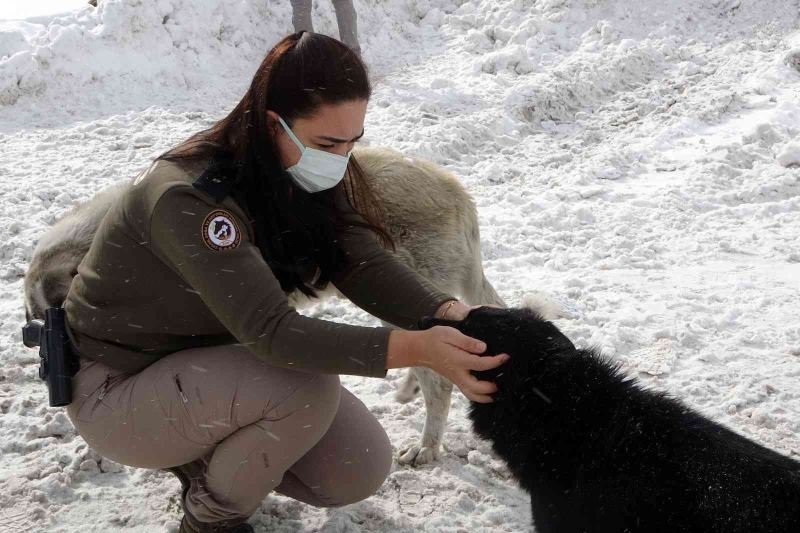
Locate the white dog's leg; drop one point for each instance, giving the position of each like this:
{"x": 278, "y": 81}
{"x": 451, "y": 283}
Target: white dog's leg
{"x": 408, "y": 389}
{"x": 437, "y": 391}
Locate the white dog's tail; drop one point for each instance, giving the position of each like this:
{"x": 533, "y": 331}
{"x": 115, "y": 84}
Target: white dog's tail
{"x": 543, "y": 305}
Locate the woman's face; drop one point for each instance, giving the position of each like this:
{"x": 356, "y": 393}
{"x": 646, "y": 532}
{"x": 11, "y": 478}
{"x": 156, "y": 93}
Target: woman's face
{"x": 333, "y": 128}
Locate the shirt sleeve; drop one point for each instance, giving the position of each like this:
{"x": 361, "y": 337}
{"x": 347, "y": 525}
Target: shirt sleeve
{"x": 238, "y": 286}
{"x": 377, "y": 281}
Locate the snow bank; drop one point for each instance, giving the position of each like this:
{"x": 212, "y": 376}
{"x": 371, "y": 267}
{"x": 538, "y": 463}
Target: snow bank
{"x": 165, "y": 51}
{"x": 41, "y": 11}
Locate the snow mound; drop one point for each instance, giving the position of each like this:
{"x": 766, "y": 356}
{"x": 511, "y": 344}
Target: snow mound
{"x": 124, "y": 42}
{"x": 585, "y": 82}
{"x": 124, "y": 47}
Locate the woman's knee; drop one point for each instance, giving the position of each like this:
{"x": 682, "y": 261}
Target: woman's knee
{"x": 372, "y": 480}
{"x": 371, "y": 454}
{"x": 336, "y": 491}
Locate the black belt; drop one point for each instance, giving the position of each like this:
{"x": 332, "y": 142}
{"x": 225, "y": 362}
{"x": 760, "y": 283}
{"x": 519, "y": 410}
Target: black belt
{"x": 58, "y": 363}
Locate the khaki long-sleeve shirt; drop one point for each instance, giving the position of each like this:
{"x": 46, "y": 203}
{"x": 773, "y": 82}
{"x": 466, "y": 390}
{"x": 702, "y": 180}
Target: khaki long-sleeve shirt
{"x": 170, "y": 268}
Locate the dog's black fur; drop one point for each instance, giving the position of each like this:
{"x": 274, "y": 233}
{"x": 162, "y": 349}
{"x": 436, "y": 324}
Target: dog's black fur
{"x": 599, "y": 453}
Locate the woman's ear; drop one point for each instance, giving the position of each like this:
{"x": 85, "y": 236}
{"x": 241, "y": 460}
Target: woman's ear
{"x": 273, "y": 125}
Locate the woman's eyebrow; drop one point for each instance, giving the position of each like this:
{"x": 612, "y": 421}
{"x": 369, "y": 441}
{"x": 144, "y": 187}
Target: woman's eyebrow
{"x": 337, "y": 140}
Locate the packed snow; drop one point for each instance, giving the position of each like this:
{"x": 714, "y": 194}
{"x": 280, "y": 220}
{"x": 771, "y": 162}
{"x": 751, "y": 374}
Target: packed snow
{"x": 639, "y": 162}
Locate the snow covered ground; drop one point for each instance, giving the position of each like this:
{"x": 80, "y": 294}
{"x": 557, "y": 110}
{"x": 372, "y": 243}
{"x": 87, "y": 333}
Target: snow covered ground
{"x": 638, "y": 161}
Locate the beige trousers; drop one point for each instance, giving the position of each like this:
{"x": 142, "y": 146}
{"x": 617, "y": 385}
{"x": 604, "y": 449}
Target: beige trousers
{"x": 251, "y": 427}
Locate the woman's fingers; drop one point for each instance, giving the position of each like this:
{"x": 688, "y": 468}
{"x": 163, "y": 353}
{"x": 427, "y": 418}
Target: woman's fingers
{"x": 456, "y": 362}
{"x": 459, "y": 340}
{"x": 474, "y": 389}
{"x": 480, "y": 398}
{"x": 481, "y": 387}
{"x": 488, "y": 362}
{"x": 478, "y": 391}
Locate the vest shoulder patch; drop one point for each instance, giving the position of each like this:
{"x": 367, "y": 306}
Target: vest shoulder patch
{"x": 220, "y": 231}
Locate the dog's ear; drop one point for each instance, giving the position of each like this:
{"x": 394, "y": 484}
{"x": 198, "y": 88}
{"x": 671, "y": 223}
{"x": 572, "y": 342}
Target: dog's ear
{"x": 428, "y": 322}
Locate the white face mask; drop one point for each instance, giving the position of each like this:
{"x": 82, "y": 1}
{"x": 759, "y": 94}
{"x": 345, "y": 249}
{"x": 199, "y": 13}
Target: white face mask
{"x": 316, "y": 170}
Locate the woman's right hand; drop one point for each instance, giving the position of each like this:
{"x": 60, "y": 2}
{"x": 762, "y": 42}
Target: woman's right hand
{"x": 450, "y": 353}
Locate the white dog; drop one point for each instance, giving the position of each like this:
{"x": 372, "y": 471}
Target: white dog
{"x": 430, "y": 216}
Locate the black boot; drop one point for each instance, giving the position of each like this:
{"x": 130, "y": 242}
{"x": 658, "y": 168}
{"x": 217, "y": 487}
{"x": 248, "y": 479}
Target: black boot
{"x": 189, "y": 524}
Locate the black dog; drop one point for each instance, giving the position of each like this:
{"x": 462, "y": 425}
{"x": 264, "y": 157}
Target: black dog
{"x": 598, "y": 453}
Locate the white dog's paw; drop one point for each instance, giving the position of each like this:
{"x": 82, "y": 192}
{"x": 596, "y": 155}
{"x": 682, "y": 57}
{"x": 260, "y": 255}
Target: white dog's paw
{"x": 545, "y": 306}
{"x": 418, "y": 455}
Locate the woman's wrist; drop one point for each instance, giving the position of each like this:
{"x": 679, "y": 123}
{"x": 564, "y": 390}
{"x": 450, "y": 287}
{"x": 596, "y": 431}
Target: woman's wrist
{"x": 403, "y": 349}
{"x": 452, "y": 310}
{"x": 443, "y": 309}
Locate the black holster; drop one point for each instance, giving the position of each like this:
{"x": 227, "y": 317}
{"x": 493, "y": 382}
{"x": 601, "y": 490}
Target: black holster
{"x": 58, "y": 363}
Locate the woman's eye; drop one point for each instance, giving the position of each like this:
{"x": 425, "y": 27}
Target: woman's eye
{"x": 326, "y": 146}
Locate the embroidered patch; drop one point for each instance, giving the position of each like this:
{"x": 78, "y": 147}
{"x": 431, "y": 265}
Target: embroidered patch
{"x": 220, "y": 232}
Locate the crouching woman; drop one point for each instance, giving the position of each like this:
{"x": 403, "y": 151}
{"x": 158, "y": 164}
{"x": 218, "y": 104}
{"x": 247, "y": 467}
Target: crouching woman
{"x": 191, "y": 358}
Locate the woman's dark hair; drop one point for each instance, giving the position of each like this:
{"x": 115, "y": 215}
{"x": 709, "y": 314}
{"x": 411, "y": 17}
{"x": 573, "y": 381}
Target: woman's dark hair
{"x": 294, "y": 230}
